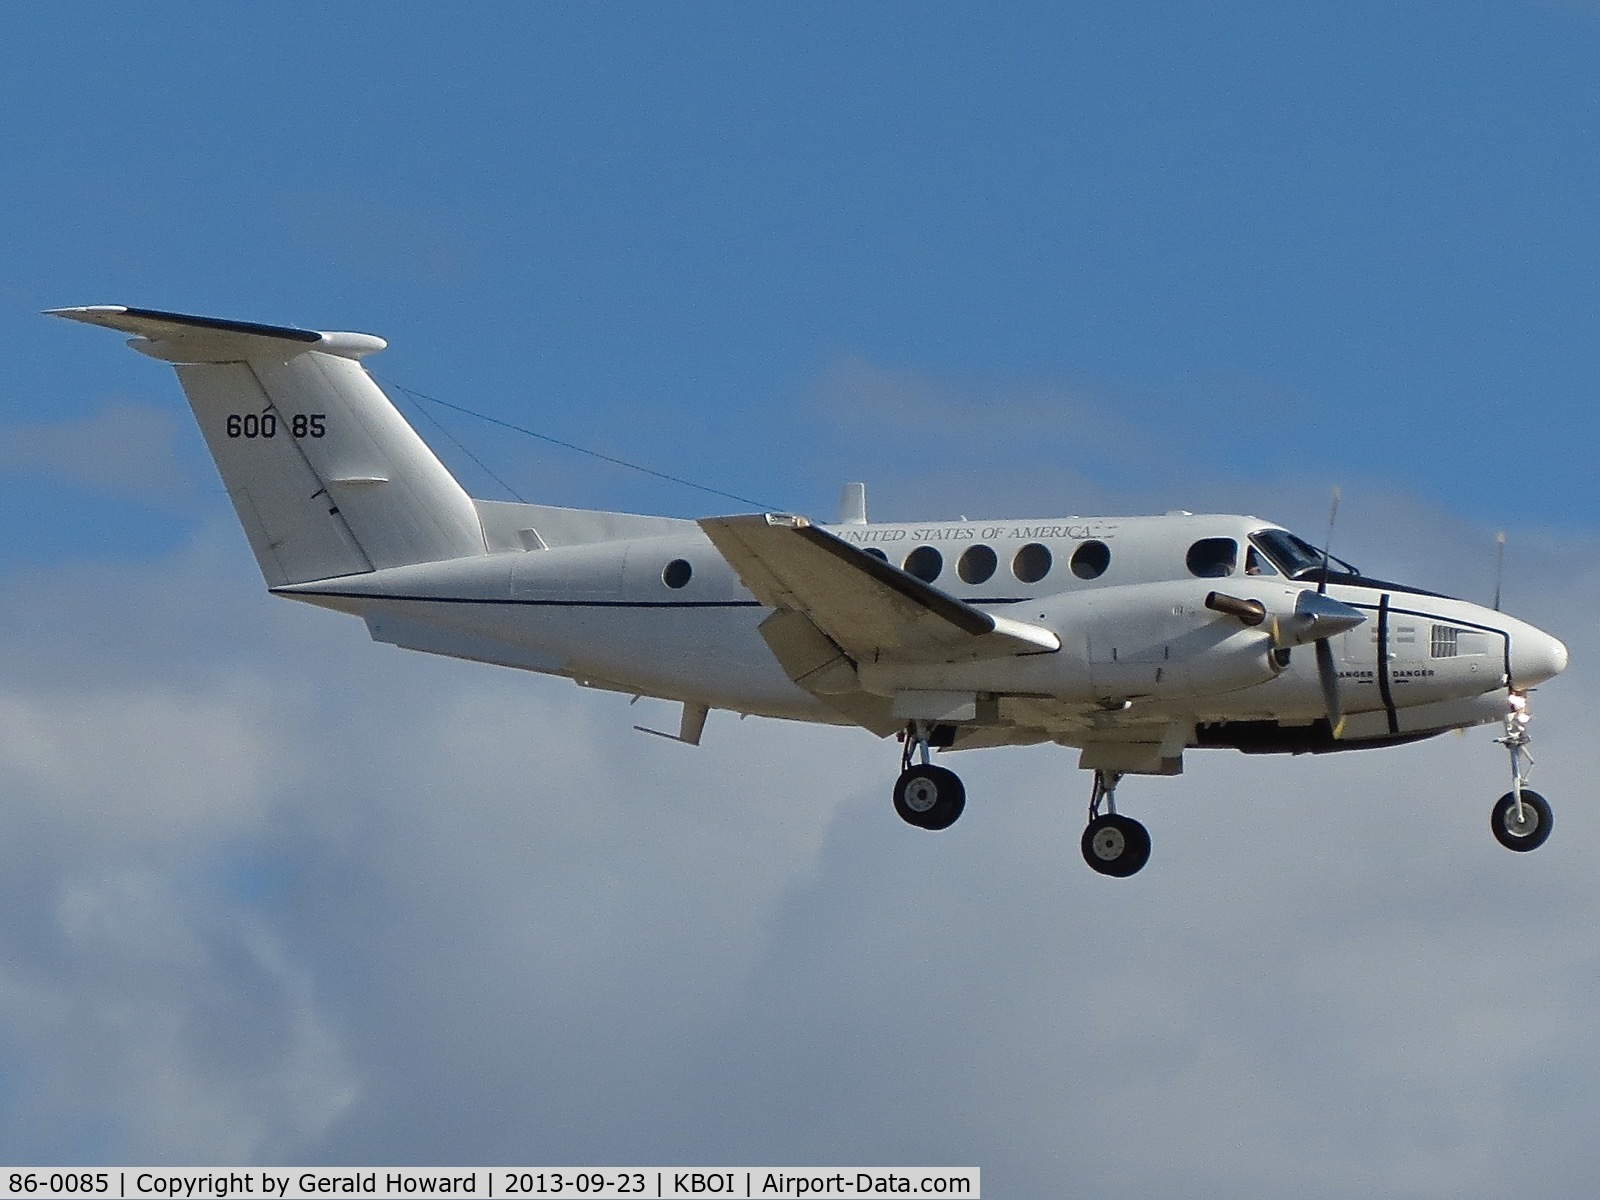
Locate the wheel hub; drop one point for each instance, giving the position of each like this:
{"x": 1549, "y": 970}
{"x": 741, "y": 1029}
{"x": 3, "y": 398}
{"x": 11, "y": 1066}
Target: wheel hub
{"x": 1109, "y": 844}
{"x": 1526, "y": 827}
{"x": 921, "y": 795}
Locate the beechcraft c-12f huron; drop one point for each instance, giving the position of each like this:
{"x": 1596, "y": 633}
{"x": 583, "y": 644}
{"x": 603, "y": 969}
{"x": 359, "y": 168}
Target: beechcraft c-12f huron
{"x": 1132, "y": 639}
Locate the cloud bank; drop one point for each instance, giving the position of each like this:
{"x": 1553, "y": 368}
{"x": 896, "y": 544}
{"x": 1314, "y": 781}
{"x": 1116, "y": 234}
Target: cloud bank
{"x": 278, "y": 894}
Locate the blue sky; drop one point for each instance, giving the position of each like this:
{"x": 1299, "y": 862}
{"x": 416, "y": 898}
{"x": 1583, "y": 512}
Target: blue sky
{"x": 313, "y": 900}
{"x": 1319, "y": 242}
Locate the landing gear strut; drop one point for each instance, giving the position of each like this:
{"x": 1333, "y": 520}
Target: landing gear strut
{"x": 1521, "y": 819}
{"x": 926, "y": 796}
{"x": 1113, "y": 844}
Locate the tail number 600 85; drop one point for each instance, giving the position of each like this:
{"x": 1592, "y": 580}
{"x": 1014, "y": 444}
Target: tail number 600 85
{"x": 265, "y": 425}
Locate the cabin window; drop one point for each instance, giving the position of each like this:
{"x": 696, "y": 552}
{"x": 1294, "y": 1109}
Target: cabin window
{"x": 676, "y": 573}
{"x": 977, "y": 564}
{"x": 1031, "y": 563}
{"x": 876, "y": 553}
{"x": 1090, "y": 560}
{"x": 925, "y": 563}
{"x": 1213, "y": 558}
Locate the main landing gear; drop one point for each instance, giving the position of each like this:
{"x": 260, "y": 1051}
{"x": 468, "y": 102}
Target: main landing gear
{"x": 1113, "y": 844}
{"x": 931, "y": 797}
{"x": 1521, "y": 819}
{"x": 926, "y": 796}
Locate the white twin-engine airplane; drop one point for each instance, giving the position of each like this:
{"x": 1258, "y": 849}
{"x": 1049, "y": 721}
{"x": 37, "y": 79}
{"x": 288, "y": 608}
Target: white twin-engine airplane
{"x": 1130, "y": 638}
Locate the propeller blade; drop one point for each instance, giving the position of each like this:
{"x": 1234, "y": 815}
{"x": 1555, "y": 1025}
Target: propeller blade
{"x": 1499, "y": 566}
{"x": 1327, "y": 545}
{"x": 1328, "y": 675}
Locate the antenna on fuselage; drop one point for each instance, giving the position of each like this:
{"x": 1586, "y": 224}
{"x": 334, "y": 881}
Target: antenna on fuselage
{"x": 853, "y": 504}
{"x": 1499, "y": 565}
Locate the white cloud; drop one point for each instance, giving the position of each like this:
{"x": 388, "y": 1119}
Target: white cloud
{"x": 278, "y": 893}
{"x": 123, "y": 447}
{"x": 184, "y": 1028}
{"x": 201, "y": 762}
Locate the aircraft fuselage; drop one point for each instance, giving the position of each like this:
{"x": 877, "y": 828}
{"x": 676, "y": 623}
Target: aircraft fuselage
{"x": 607, "y": 614}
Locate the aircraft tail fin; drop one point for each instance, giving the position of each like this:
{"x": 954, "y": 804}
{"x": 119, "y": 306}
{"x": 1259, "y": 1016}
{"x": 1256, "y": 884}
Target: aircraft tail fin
{"x": 326, "y": 476}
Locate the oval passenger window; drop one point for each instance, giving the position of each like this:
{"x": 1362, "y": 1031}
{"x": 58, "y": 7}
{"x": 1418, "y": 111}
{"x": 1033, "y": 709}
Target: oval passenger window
{"x": 925, "y": 563}
{"x": 676, "y": 573}
{"x": 977, "y": 564}
{"x": 1031, "y": 563}
{"x": 1090, "y": 560}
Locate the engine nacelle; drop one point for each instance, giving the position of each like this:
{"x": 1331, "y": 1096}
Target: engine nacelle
{"x": 1117, "y": 643}
{"x": 1161, "y": 639}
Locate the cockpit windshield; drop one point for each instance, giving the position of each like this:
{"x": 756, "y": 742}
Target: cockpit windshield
{"x": 1296, "y": 557}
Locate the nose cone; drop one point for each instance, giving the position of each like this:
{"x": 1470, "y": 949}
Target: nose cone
{"x": 1535, "y": 657}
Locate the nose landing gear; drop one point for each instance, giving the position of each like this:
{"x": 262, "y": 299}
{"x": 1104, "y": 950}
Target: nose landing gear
{"x": 926, "y": 796}
{"x": 1112, "y": 843}
{"x": 1521, "y": 819}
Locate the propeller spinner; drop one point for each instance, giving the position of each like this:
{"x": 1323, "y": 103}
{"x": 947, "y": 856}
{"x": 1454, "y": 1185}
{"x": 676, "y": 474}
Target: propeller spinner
{"x": 1315, "y": 618}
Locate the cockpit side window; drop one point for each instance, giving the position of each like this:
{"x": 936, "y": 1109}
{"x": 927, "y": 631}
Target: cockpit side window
{"x": 1213, "y": 558}
{"x": 1255, "y": 563}
{"x": 1295, "y": 556}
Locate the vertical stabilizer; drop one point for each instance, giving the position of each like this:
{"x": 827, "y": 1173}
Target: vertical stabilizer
{"x": 325, "y": 474}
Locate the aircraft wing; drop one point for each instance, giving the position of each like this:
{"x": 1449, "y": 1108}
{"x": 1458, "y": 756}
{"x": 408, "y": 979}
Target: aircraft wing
{"x": 862, "y": 604}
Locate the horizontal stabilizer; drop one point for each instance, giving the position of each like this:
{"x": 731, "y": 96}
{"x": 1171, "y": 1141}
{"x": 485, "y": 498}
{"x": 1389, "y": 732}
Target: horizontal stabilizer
{"x": 178, "y": 337}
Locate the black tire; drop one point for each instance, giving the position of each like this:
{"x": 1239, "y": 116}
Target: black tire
{"x": 1537, "y": 816}
{"x": 929, "y": 797}
{"x": 1116, "y": 845}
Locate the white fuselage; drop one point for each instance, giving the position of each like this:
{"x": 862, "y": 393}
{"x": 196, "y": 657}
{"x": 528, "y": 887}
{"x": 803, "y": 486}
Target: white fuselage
{"x": 1136, "y": 634}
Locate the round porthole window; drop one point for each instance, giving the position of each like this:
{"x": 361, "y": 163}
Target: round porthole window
{"x": 925, "y": 563}
{"x": 877, "y": 554}
{"x": 977, "y": 564}
{"x": 1213, "y": 558}
{"x": 676, "y": 573}
{"x": 1090, "y": 560}
{"x": 1031, "y": 563}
